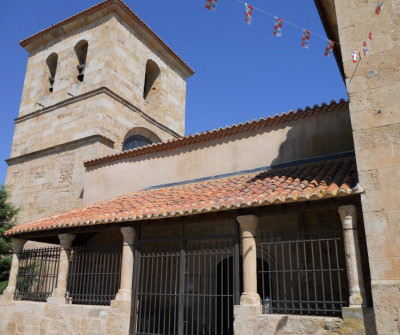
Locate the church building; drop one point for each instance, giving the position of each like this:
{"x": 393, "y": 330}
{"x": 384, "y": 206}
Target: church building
{"x": 284, "y": 225}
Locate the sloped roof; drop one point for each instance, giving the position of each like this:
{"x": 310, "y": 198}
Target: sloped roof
{"x": 222, "y": 132}
{"x": 329, "y": 178}
{"x": 97, "y": 8}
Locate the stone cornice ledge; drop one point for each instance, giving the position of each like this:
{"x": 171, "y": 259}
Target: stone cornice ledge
{"x": 97, "y": 91}
{"x": 61, "y": 147}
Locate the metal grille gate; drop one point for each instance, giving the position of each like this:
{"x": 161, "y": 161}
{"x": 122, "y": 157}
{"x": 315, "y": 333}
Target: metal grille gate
{"x": 186, "y": 285}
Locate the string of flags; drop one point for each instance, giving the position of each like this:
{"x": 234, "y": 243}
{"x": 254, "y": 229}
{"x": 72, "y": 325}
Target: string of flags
{"x": 306, "y": 34}
{"x": 378, "y": 10}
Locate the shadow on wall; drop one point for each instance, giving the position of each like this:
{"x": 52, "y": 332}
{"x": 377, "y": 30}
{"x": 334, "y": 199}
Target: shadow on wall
{"x": 281, "y": 324}
{"x": 319, "y": 135}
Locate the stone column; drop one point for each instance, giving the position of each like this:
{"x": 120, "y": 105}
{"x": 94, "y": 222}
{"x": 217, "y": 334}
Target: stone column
{"x": 18, "y": 245}
{"x": 59, "y": 294}
{"x": 348, "y": 215}
{"x": 125, "y": 290}
{"x": 248, "y": 224}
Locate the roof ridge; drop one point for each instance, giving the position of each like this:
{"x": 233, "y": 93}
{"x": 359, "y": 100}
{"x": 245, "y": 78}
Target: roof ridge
{"x": 220, "y": 132}
{"x": 102, "y": 5}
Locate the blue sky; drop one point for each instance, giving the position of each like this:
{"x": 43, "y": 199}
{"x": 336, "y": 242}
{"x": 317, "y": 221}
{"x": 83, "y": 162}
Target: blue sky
{"x": 242, "y": 72}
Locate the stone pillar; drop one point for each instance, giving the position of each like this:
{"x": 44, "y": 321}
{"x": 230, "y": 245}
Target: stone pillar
{"x": 59, "y": 294}
{"x": 125, "y": 290}
{"x": 250, "y": 302}
{"x": 348, "y": 215}
{"x": 18, "y": 245}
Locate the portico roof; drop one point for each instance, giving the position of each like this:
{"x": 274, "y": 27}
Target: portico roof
{"x": 295, "y": 182}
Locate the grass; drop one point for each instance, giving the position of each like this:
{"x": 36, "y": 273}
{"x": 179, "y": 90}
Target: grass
{"x": 3, "y": 285}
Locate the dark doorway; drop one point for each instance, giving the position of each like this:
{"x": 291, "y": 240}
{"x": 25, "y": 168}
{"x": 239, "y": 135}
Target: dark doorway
{"x": 225, "y": 279}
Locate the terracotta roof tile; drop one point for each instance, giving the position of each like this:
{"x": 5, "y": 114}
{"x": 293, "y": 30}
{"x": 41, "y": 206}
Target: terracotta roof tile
{"x": 221, "y": 132}
{"x": 337, "y": 177}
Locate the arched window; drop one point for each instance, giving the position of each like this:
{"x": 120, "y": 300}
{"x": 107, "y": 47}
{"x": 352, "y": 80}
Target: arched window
{"x": 135, "y": 141}
{"x": 152, "y": 73}
{"x": 52, "y": 64}
{"x": 81, "y": 49}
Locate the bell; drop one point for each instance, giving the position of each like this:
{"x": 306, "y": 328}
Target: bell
{"x": 81, "y": 69}
{"x": 51, "y": 80}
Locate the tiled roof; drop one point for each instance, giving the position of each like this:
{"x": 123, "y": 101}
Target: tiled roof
{"x": 101, "y": 6}
{"x": 222, "y": 132}
{"x": 330, "y": 178}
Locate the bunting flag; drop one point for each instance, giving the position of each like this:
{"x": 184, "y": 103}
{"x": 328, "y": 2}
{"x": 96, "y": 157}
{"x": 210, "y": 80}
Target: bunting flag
{"x": 278, "y": 27}
{"x": 370, "y": 35}
{"x": 379, "y": 7}
{"x": 305, "y": 38}
{"x": 365, "y": 49}
{"x": 211, "y": 5}
{"x": 354, "y": 55}
{"x": 329, "y": 48}
{"x": 249, "y": 13}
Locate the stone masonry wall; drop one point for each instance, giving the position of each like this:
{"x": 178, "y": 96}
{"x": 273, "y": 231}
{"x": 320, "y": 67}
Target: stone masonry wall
{"x": 50, "y": 183}
{"x": 275, "y": 324}
{"x": 38, "y": 318}
{"x": 373, "y": 89}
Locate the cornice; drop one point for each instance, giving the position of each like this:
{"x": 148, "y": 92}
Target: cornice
{"x": 97, "y": 91}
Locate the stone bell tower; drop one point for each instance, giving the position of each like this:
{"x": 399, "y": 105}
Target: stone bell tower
{"x": 96, "y": 83}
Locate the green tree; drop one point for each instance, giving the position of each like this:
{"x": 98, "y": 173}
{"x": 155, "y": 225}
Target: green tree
{"x": 8, "y": 214}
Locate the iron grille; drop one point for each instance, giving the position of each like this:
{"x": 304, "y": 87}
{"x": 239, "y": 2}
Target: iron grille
{"x": 186, "y": 287}
{"x": 94, "y": 274}
{"x": 303, "y": 272}
{"x": 37, "y": 273}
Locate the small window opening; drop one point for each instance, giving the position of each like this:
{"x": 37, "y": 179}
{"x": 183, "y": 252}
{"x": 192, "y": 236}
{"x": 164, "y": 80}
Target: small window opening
{"x": 81, "y": 49}
{"x": 52, "y": 64}
{"x": 152, "y": 73}
{"x": 135, "y": 141}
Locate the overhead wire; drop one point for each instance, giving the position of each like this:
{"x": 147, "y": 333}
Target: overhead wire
{"x": 289, "y": 22}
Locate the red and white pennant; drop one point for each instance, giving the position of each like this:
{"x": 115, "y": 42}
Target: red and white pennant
{"x": 249, "y": 13}
{"x": 305, "y": 39}
{"x": 329, "y": 48}
{"x": 211, "y": 5}
{"x": 278, "y": 27}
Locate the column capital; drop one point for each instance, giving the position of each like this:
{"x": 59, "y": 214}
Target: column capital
{"x": 66, "y": 240}
{"x": 247, "y": 221}
{"x": 18, "y": 245}
{"x": 129, "y": 234}
{"x": 348, "y": 215}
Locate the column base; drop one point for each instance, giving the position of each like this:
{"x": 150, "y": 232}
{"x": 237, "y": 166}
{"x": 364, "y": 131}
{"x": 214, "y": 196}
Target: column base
{"x": 246, "y": 310}
{"x": 357, "y": 299}
{"x": 122, "y": 299}
{"x": 358, "y": 320}
{"x": 124, "y": 295}
{"x": 250, "y": 299}
{"x": 58, "y": 298}
{"x": 8, "y": 293}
